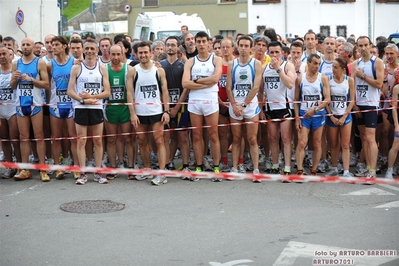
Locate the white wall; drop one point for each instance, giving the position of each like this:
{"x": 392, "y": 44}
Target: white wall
{"x": 41, "y": 18}
{"x": 303, "y": 15}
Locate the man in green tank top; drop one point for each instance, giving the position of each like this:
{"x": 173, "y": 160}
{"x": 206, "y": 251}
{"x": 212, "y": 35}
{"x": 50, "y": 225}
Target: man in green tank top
{"x": 116, "y": 112}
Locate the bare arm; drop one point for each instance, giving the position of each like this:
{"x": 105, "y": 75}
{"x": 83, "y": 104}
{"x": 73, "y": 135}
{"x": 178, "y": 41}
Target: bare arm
{"x": 72, "y": 82}
{"x": 165, "y": 95}
{"x": 394, "y": 108}
{"x": 106, "y": 86}
{"x": 215, "y": 77}
{"x": 352, "y": 92}
{"x": 186, "y": 80}
{"x": 379, "y": 69}
{"x": 44, "y": 80}
{"x": 288, "y": 76}
{"x": 229, "y": 83}
{"x": 297, "y": 103}
{"x": 130, "y": 96}
{"x": 15, "y": 75}
{"x": 326, "y": 92}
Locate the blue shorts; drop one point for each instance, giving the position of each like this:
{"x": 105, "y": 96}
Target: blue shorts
{"x": 181, "y": 120}
{"x": 331, "y": 124}
{"x": 62, "y": 112}
{"x": 314, "y": 122}
{"x": 396, "y": 136}
{"x": 28, "y": 110}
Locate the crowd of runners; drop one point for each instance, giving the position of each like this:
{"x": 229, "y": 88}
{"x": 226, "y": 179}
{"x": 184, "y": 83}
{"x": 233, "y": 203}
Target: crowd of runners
{"x": 320, "y": 104}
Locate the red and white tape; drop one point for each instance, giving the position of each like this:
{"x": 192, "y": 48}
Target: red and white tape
{"x": 203, "y": 175}
{"x": 189, "y": 128}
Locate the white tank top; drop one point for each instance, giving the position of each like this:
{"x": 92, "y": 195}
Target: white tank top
{"x": 89, "y": 80}
{"x": 339, "y": 95}
{"x": 367, "y": 95}
{"x": 326, "y": 68}
{"x": 243, "y": 80}
{"x": 147, "y": 92}
{"x": 311, "y": 92}
{"x": 203, "y": 69}
{"x": 387, "y": 102}
{"x": 276, "y": 91}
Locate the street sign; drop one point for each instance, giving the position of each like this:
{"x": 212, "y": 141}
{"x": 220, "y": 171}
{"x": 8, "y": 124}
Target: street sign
{"x": 19, "y": 17}
{"x": 93, "y": 9}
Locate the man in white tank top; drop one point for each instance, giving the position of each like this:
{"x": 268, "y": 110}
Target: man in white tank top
{"x": 243, "y": 80}
{"x": 312, "y": 91}
{"x": 147, "y": 87}
{"x": 278, "y": 78}
{"x": 88, "y": 86}
{"x": 201, "y": 76}
{"x": 368, "y": 72}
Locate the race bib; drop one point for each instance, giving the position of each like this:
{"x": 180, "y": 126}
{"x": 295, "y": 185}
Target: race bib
{"x": 117, "y": 93}
{"x": 6, "y": 94}
{"x": 174, "y": 95}
{"x": 361, "y": 91}
{"x": 148, "y": 92}
{"x": 242, "y": 90}
{"x": 223, "y": 81}
{"x": 311, "y": 100}
{"x": 62, "y": 96}
{"x": 92, "y": 88}
{"x": 272, "y": 83}
{"x": 26, "y": 89}
{"x": 338, "y": 102}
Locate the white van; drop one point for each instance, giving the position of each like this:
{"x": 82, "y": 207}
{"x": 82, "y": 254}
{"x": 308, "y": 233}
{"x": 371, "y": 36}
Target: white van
{"x": 158, "y": 25}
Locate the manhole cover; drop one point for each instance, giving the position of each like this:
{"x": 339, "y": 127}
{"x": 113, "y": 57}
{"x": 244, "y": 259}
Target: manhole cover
{"x": 92, "y": 206}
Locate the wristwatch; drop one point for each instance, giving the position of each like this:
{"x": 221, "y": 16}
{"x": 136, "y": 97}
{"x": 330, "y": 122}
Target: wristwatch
{"x": 195, "y": 80}
{"x": 316, "y": 109}
{"x": 167, "y": 111}
{"x": 82, "y": 101}
{"x": 243, "y": 105}
{"x": 278, "y": 71}
{"x": 363, "y": 76}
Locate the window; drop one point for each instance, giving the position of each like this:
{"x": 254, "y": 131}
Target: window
{"x": 265, "y": 1}
{"x": 325, "y": 30}
{"x": 341, "y": 31}
{"x": 337, "y": 1}
{"x": 226, "y": 33}
{"x": 150, "y": 3}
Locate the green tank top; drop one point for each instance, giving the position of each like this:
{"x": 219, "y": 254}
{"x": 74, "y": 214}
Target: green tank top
{"x": 117, "y": 82}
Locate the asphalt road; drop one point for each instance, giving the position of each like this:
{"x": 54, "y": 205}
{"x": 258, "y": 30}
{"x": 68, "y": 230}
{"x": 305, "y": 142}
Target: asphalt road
{"x": 198, "y": 223}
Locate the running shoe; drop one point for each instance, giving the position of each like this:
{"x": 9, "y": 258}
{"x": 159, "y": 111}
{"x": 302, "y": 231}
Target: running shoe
{"x": 241, "y": 169}
{"x": 50, "y": 162}
{"x": 197, "y": 170}
{"x": 100, "y": 179}
{"x": 159, "y": 180}
{"x": 9, "y": 173}
{"x": 187, "y": 170}
{"x": 44, "y": 176}
{"x": 59, "y": 174}
{"x": 22, "y": 175}
{"x": 332, "y": 172}
{"x": 224, "y": 168}
{"x": 256, "y": 171}
{"x": 82, "y": 179}
{"x": 216, "y": 170}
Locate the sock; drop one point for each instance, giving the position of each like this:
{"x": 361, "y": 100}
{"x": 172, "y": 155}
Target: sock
{"x": 275, "y": 165}
{"x": 225, "y": 161}
{"x": 368, "y": 167}
{"x": 335, "y": 169}
{"x": 287, "y": 168}
{"x": 372, "y": 171}
{"x": 390, "y": 170}
{"x": 240, "y": 160}
{"x": 201, "y": 166}
{"x": 185, "y": 165}
{"x": 346, "y": 172}
{"x": 310, "y": 154}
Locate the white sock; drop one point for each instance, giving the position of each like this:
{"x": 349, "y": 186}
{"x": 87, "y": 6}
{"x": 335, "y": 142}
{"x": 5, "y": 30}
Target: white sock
{"x": 275, "y": 165}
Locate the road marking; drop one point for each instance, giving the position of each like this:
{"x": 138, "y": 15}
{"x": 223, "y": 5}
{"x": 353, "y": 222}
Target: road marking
{"x": 230, "y": 263}
{"x": 389, "y": 186}
{"x": 369, "y": 191}
{"x": 294, "y": 249}
{"x": 16, "y": 193}
{"x": 393, "y": 204}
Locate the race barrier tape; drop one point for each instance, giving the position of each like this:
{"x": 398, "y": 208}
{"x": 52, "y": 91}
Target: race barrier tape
{"x": 67, "y": 104}
{"x": 190, "y": 128}
{"x": 204, "y": 175}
